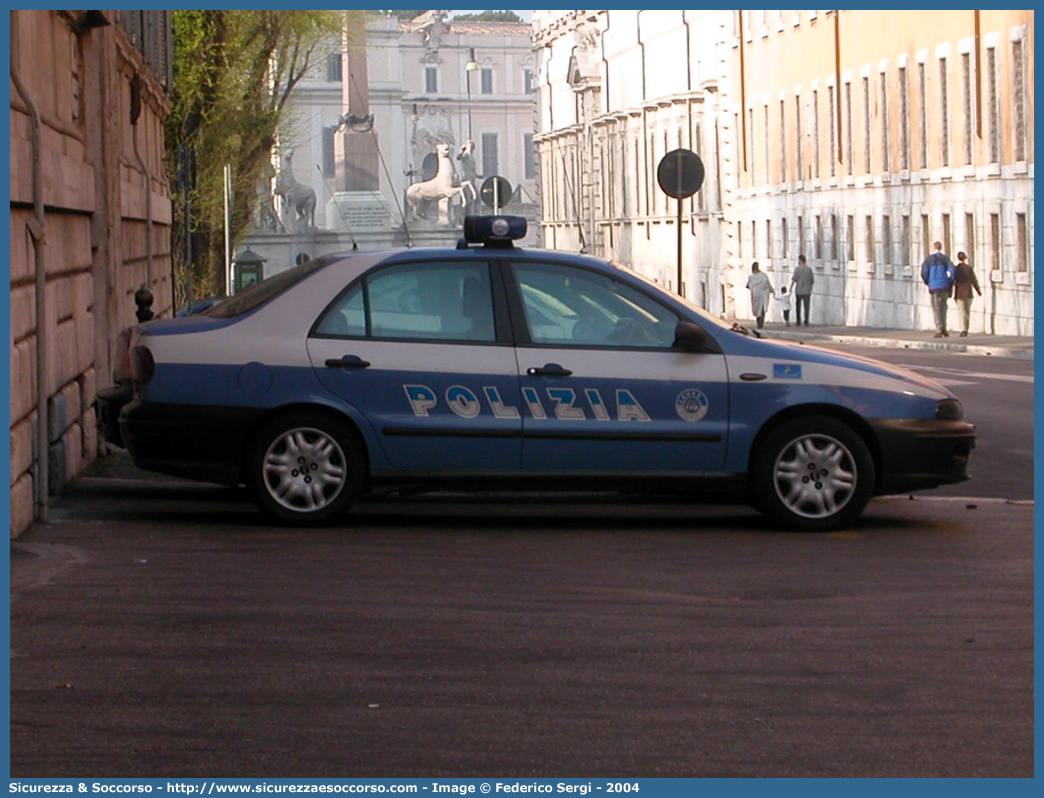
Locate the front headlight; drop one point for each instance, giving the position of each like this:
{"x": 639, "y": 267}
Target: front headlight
{"x": 949, "y": 410}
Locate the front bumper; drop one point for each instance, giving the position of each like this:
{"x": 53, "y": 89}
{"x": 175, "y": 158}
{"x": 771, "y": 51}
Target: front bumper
{"x": 922, "y": 453}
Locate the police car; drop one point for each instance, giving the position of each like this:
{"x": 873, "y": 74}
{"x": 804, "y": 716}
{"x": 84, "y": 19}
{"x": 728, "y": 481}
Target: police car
{"x": 491, "y": 366}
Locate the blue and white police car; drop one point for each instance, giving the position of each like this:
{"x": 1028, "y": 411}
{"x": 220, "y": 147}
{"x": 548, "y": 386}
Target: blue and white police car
{"x": 492, "y": 366}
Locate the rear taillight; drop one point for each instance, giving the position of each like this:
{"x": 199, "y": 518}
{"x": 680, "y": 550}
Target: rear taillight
{"x": 142, "y": 365}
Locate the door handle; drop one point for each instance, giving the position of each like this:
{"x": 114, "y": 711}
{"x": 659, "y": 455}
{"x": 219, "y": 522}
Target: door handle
{"x": 550, "y": 370}
{"x": 348, "y": 362}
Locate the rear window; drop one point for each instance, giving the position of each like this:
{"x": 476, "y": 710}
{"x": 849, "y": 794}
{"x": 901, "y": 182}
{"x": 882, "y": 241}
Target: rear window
{"x": 259, "y": 293}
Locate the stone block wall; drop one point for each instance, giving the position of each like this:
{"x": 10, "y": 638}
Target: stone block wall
{"x": 95, "y": 166}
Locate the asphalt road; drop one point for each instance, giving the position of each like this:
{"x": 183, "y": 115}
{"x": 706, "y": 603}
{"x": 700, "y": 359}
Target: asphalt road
{"x": 997, "y": 394}
{"x": 159, "y": 630}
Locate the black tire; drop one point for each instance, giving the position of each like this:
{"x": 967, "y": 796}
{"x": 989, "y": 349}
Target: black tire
{"x": 812, "y": 473}
{"x": 305, "y": 469}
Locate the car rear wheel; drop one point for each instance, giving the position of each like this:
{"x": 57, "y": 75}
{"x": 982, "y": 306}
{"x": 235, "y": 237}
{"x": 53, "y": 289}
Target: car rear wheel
{"x": 812, "y": 473}
{"x": 305, "y": 469}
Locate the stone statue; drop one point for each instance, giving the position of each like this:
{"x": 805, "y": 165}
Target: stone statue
{"x": 267, "y": 218}
{"x": 298, "y": 198}
{"x": 439, "y": 189}
{"x": 468, "y": 176}
{"x": 354, "y": 123}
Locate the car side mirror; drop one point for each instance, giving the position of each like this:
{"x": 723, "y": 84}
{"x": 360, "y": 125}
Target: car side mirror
{"x": 691, "y": 337}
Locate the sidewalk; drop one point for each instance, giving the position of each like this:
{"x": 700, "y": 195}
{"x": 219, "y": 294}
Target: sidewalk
{"x": 1013, "y": 346}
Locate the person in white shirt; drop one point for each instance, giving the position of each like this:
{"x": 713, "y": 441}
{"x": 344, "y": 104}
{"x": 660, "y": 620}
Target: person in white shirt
{"x": 784, "y": 303}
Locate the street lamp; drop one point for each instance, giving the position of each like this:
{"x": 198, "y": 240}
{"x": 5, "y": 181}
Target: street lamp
{"x": 471, "y": 66}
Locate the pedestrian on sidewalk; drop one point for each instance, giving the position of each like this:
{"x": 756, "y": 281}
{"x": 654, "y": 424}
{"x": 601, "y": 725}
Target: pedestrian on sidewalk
{"x": 801, "y": 282}
{"x": 963, "y": 282}
{"x": 784, "y": 303}
{"x": 760, "y": 291}
{"x": 938, "y": 274}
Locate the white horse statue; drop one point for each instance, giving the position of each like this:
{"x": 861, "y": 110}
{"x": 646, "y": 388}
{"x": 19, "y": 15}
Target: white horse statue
{"x": 440, "y": 188}
{"x": 297, "y": 197}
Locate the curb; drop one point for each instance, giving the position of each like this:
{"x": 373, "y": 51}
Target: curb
{"x": 896, "y": 343}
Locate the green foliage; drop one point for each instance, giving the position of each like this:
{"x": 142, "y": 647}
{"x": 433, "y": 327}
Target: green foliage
{"x": 490, "y": 16}
{"x": 233, "y": 73}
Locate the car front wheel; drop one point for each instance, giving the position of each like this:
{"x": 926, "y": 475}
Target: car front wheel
{"x": 305, "y": 469}
{"x": 812, "y": 473}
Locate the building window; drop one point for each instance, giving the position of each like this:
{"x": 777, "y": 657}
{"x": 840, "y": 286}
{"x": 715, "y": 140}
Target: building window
{"x": 946, "y": 239}
{"x": 926, "y": 236}
{"x": 815, "y": 132}
{"x": 782, "y": 141}
{"x": 967, "y": 91}
{"x": 835, "y": 238}
{"x": 786, "y": 240}
{"x": 833, "y": 131}
{"x": 329, "y": 165}
{"x": 870, "y": 239}
{"x": 944, "y": 115}
{"x": 850, "y": 239}
{"x": 922, "y": 107}
{"x": 906, "y": 256}
{"x": 768, "y": 239}
{"x": 487, "y": 80}
{"x": 801, "y": 234}
{"x": 1018, "y": 78}
{"x": 992, "y": 104}
{"x": 799, "y": 142}
{"x": 886, "y": 239}
{"x": 753, "y": 172}
{"x": 431, "y": 80}
{"x": 849, "y": 139}
{"x": 1022, "y": 235}
{"x": 528, "y": 81}
{"x": 819, "y": 237}
{"x": 969, "y": 235}
{"x": 334, "y": 68}
{"x": 490, "y": 165}
{"x": 529, "y": 153}
{"x": 904, "y": 120}
{"x": 768, "y": 177}
{"x": 866, "y": 125}
{"x": 754, "y": 240}
{"x": 995, "y": 242}
{"x": 886, "y": 144}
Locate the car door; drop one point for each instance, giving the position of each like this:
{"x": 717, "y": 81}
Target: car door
{"x": 415, "y": 348}
{"x": 603, "y": 388}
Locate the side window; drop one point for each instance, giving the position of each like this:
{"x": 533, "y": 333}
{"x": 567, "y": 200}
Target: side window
{"x": 568, "y": 306}
{"x": 426, "y": 301}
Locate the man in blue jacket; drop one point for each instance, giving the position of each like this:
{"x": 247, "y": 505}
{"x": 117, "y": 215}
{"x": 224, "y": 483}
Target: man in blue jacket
{"x": 938, "y": 274}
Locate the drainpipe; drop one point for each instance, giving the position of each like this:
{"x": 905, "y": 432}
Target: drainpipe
{"x": 36, "y": 227}
{"x": 135, "y": 111}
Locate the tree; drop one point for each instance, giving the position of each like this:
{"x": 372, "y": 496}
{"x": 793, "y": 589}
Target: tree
{"x": 233, "y": 73}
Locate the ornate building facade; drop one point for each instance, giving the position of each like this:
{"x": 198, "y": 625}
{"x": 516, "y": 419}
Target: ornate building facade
{"x": 856, "y": 138}
{"x": 408, "y": 86}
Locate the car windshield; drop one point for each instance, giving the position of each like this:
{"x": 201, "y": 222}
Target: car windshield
{"x": 703, "y": 313}
{"x": 259, "y": 293}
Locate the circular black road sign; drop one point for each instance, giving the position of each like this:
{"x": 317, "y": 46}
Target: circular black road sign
{"x": 495, "y": 191}
{"x": 680, "y": 173}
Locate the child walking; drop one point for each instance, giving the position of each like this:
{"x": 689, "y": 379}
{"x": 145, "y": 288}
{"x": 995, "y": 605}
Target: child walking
{"x": 784, "y": 303}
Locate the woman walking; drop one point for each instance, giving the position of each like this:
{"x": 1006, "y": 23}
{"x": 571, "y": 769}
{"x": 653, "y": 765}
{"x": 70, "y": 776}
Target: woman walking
{"x": 963, "y": 283}
{"x": 760, "y": 293}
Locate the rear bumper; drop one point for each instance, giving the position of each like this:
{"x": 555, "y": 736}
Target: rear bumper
{"x": 198, "y": 442}
{"x": 922, "y": 453}
{"x": 107, "y": 406}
